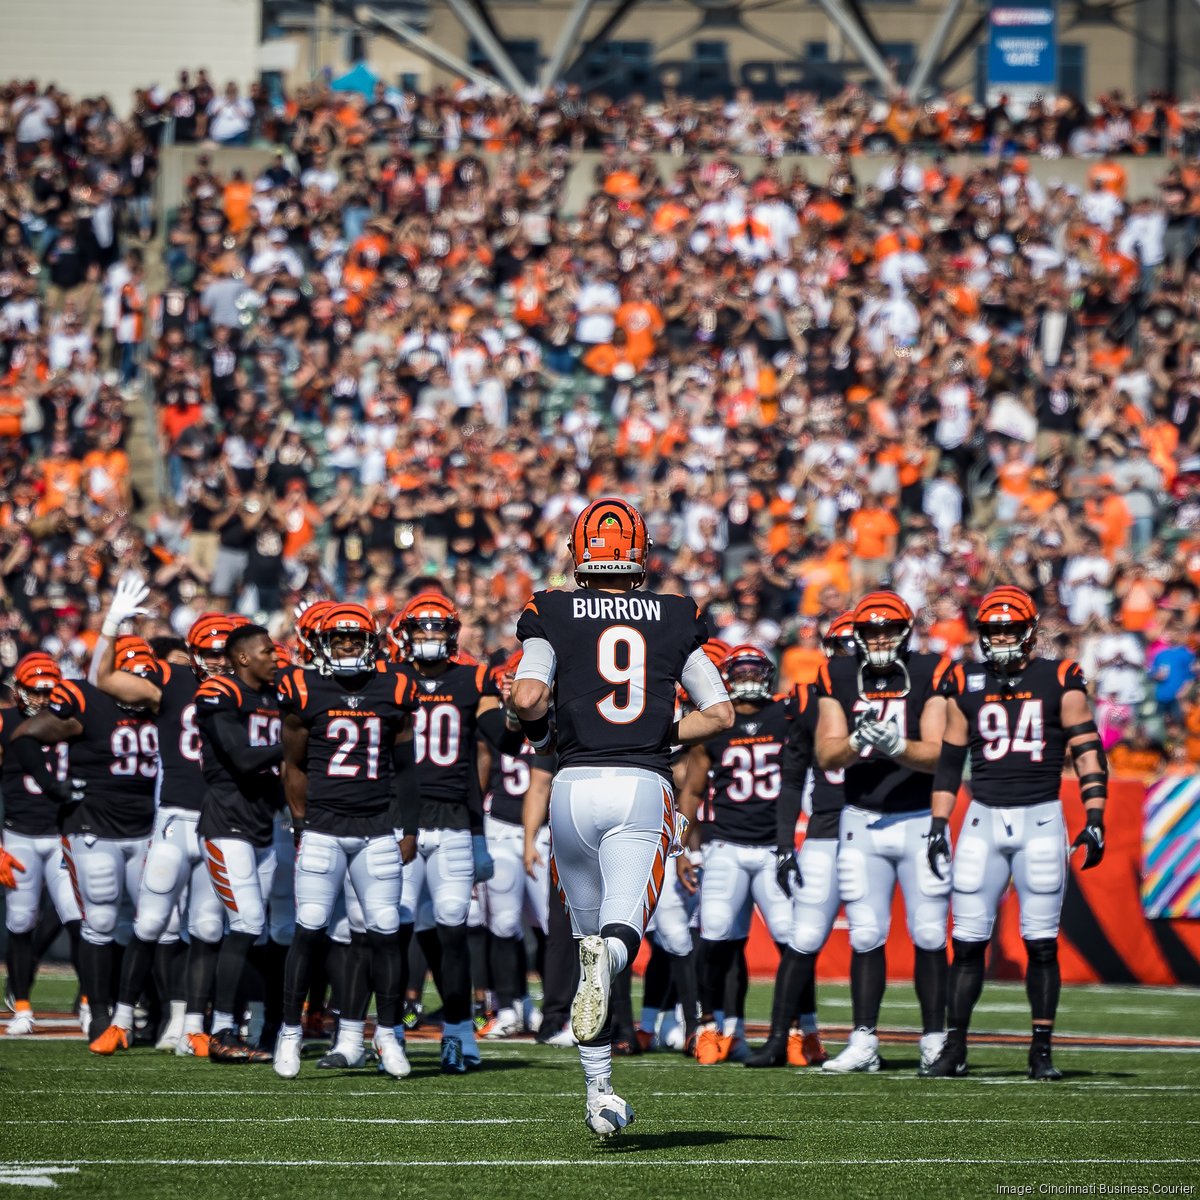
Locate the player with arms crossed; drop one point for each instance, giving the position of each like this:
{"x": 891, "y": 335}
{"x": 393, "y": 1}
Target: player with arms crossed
{"x": 609, "y": 661}
{"x": 881, "y": 720}
{"x": 1016, "y": 714}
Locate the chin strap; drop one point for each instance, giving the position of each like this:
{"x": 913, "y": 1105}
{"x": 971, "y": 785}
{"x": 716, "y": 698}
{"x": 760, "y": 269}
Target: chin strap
{"x": 895, "y": 665}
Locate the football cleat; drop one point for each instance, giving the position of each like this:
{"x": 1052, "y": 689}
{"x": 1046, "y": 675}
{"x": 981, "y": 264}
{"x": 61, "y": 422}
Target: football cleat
{"x": 531, "y": 1015}
{"x": 172, "y": 1031}
{"x": 228, "y": 1047}
{"x": 21, "y": 1025}
{"x": 506, "y": 1024}
{"x": 314, "y": 1025}
{"x": 951, "y": 1063}
{"x": 10, "y": 1001}
{"x": 589, "y": 1009}
{"x": 626, "y": 1047}
{"x": 287, "y": 1055}
{"x": 85, "y": 1016}
{"x": 193, "y": 1045}
{"x": 560, "y": 1037}
{"x": 738, "y": 1051}
{"x": 607, "y": 1114}
{"x": 689, "y": 1044}
{"x": 861, "y": 1054}
{"x": 343, "y": 1057}
{"x": 931, "y": 1045}
{"x": 712, "y": 1047}
{"x": 812, "y": 1053}
{"x": 645, "y": 1040}
{"x": 776, "y": 1051}
{"x": 1040, "y": 1064}
{"x": 393, "y": 1060}
{"x": 411, "y": 1015}
{"x": 114, "y": 1038}
{"x": 452, "y": 1056}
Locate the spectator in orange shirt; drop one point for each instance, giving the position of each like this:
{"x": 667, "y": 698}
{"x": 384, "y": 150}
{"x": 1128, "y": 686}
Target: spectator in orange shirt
{"x": 873, "y": 530}
{"x": 802, "y": 661}
{"x": 238, "y": 194}
{"x": 61, "y": 477}
{"x": 1110, "y": 175}
{"x": 642, "y": 322}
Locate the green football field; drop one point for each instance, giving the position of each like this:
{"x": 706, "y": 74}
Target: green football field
{"x": 150, "y": 1125}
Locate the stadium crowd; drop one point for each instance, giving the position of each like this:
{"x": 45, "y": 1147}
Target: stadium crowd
{"x": 394, "y": 354}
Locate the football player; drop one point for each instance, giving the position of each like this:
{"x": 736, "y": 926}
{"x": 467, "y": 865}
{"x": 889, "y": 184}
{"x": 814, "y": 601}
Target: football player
{"x": 32, "y": 852}
{"x": 239, "y": 721}
{"x": 810, "y": 877}
{"x": 511, "y": 893}
{"x": 108, "y": 799}
{"x": 880, "y": 720}
{"x": 452, "y": 854}
{"x": 1016, "y": 715}
{"x": 609, "y": 661}
{"x": 739, "y": 771}
{"x": 347, "y": 746}
{"x": 175, "y": 879}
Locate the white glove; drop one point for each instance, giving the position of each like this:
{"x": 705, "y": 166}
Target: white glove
{"x": 884, "y": 737}
{"x": 681, "y": 828}
{"x": 127, "y": 601}
{"x": 859, "y": 739}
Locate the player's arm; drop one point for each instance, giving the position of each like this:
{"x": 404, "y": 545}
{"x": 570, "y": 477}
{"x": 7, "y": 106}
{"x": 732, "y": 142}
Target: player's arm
{"x": 712, "y": 714}
{"x": 695, "y": 785}
{"x": 834, "y": 746}
{"x": 923, "y": 755}
{"x": 123, "y": 686}
{"x": 1091, "y": 766}
{"x": 534, "y": 811}
{"x": 532, "y": 690}
{"x": 794, "y": 763}
{"x": 128, "y": 597}
{"x": 232, "y": 740}
{"x": 44, "y": 729}
{"x": 408, "y": 788}
{"x": 295, "y": 769}
{"x": 946, "y": 780}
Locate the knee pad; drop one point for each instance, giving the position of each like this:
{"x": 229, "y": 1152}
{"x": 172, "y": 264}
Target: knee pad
{"x": 101, "y": 922}
{"x": 506, "y": 897}
{"x": 969, "y": 863}
{"x": 927, "y": 925}
{"x": 99, "y": 879}
{"x": 164, "y": 863}
{"x": 1045, "y": 865}
{"x": 21, "y": 909}
{"x": 1043, "y": 951}
{"x": 717, "y": 917}
{"x": 810, "y": 930}
{"x": 207, "y": 927}
{"x": 816, "y": 869}
{"x": 851, "y": 875}
{"x": 972, "y": 921}
{"x": 867, "y": 932}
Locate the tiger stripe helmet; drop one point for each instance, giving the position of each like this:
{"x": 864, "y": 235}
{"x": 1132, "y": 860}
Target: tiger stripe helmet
{"x": 35, "y": 678}
{"x": 609, "y": 541}
{"x": 887, "y": 615}
{"x": 748, "y": 674}
{"x": 838, "y": 641}
{"x": 128, "y": 646}
{"x": 426, "y": 629}
{"x": 308, "y": 625}
{"x": 283, "y": 659}
{"x": 717, "y": 651}
{"x": 206, "y": 643}
{"x": 1009, "y": 611}
{"x": 342, "y": 621}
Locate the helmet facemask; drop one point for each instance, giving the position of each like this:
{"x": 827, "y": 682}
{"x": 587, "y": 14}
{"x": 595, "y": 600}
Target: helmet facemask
{"x": 749, "y": 679}
{"x": 34, "y": 700}
{"x": 430, "y": 639}
{"x": 883, "y": 643}
{"x": 348, "y": 651}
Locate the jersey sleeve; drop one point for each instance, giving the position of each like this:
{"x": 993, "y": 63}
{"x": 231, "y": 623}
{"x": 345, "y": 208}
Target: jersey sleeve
{"x": 532, "y": 623}
{"x": 67, "y": 701}
{"x": 485, "y": 681}
{"x": 824, "y": 683}
{"x": 405, "y": 694}
{"x": 951, "y": 683}
{"x": 159, "y": 674}
{"x": 1071, "y": 677}
{"x": 217, "y": 695}
{"x": 293, "y": 693}
{"x": 698, "y": 633}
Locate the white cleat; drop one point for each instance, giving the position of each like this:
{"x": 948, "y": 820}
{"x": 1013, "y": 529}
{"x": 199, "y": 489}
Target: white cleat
{"x": 931, "y": 1046}
{"x": 287, "y": 1055}
{"x": 173, "y": 1030}
{"x": 607, "y": 1114}
{"x": 861, "y": 1054}
{"x": 507, "y": 1024}
{"x": 531, "y": 1015}
{"x": 564, "y": 1037}
{"x": 392, "y": 1059}
{"x": 21, "y": 1025}
{"x": 85, "y": 1018}
{"x": 589, "y": 1009}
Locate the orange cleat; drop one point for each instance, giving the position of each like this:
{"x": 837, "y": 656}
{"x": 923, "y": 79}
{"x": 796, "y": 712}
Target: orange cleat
{"x": 711, "y": 1047}
{"x": 814, "y": 1053}
{"x": 192, "y": 1045}
{"x": 114, "y": 1038}
{"x": 645, "y": 1040}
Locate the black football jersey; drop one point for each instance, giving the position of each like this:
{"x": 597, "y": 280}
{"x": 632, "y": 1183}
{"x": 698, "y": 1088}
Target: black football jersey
{"x": 511, "y": 773}
{"x": 181, "y": 774}
{"x": 116, "y": 756}
{"x": 874, "y": 781}
{"x": 746, "y": 777}
{"x": 800, "y": 764}
{"x": 352, "y": 727}
{"x": 619, "y": 662}
{"x": 26, "y": 809}
{"x": 444, "y": 744}
{"x": 235, "y": 804}
{"x": 1017, "y": 740}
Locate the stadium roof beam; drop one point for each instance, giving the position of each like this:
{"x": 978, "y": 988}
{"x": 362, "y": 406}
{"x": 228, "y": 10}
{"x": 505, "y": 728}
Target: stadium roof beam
{"x": 426, "y": 46}
{"x": 871, "y": 58}
{"x": 966, "y": 40}
{"x": 568, "y": 39}
{"x": 487, "y": 41}
{"x": 614, "y": 18}
{"x": 932, "y": 50}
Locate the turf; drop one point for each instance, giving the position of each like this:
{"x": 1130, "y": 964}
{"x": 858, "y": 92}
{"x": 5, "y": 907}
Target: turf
{"x": 149, "y": 1125}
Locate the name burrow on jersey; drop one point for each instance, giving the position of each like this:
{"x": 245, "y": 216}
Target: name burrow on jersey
{"x": 616, "y": 608}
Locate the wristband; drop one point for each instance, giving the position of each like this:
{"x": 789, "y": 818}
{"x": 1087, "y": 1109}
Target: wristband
{"x": 937, "y": 825}
{"x": 1095, "y": 817}
{"x": 949, "y": 772}
{"x": 112, "y": 626}
{"x": 537, "y": 730}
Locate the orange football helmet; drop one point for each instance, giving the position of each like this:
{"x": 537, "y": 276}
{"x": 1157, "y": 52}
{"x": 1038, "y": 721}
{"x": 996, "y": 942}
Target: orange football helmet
{"x": 1007, "y": 612}
{"x": 426, "y": 629}
{"x": 308, "y": 625}
{"x": 838, "y": 640}
{"x": 341, "y": 623}
{"x": 283, "y": 659}
{"x": 883, "y": 616}
{"x": 748, "y": 674}
{"x": 717, "y": 651}
{"x": 609, "y": 541}
{"x": 35, "y": 678}
{"x": 206, "y": 643}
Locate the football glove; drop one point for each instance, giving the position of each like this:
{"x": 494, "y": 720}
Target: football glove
{"x": 787, "y": 871}
{"x": 939, "y": 846}
{"x": 1091, "y": 837}
{"x": 69, "y": 791}
{"x": 485, "y": 868}
{"x": 882, "y": 736}
{"x": 127, "y": 601}
{"x": 9, "y": 864}
{"x": 677, "y": 836}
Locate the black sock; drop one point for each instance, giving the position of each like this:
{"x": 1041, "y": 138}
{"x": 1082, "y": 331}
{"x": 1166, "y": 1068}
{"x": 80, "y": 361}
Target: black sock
{"x": 966, "y": 984}
{"x": 297, "y": 968}
{"x": 45, "y": 933}
{"x": 620, "y": 1006}
{"x": 135, "y": 970}
{"x": 274, "y": 955}
{"x": 318, "y": 973}
{"x": 718, "y": 961}
{"x": 202, "y": 971}
{"x": 687, "y": 989}
{"x": 356, "y": 979}
{"x": 431, "y": 946}
{"x": 335, "y": 976}
{"x": 75, "y": 936}
{"x": 231, "y": 966}
{"x": 793, "y": 980}
{"x": 1043, "y": 981}
{"x": 656, "y": 982}
{"x": 169, "y": 960}
{"x": 737, "y": 982}
{"x": 868, "y": 981}
{"x": 404, "y": 942}
{"x": 418, "y": 964}
{"x": 930, "y": 973}
{"x": 1041, "y": 1035}
{"x": 387, "y": 977}
{"x": 506, "y": 954}
{"x": 95, "y": 962}
{"x": 20, "y": 964}
{"x": 477, "y": 943}
{"x": 456, "y": 973}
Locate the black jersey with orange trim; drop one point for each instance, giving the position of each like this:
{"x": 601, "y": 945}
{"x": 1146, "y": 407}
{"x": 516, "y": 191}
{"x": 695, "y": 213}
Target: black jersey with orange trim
{"x": 116, "y": 757}
{"x": 445, "y": 737}
{"x": 1016, "y": 735}
{"x": 511, "y": 774}
{"x": 800, "y": 764}
{"x": 746, "y": 776}
{"x": 181, "y": 779}
{"x": 26, "y": 809}
{"x": 619, "y": 660}
{"x": 873, "y": 781}
{"x": 352, "y": 726}
{"x": 238, "y": 805}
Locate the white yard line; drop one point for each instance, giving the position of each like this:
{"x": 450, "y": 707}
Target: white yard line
{"x": 615, "y": 1160}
